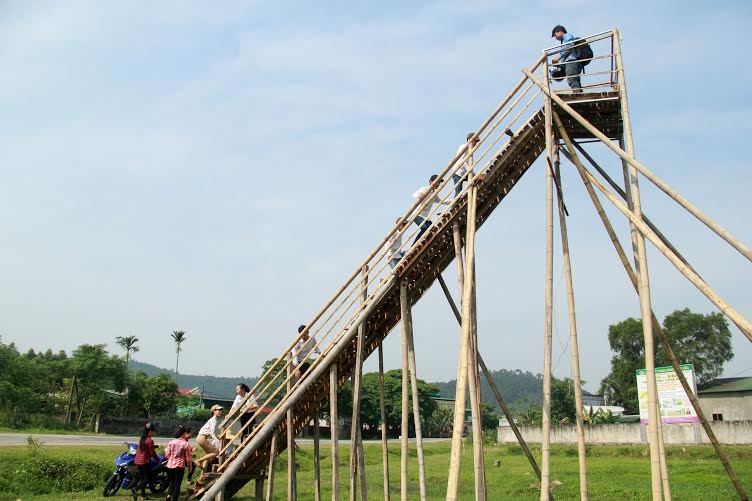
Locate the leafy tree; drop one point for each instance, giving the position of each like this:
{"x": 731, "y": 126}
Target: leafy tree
{"x": 20, "y": 388}
{"x": 178, "y": 337}
{"x": 563, "y": 408}
{"x": 128, "y": 343}
{"x": 97, "y": 371}
{"x": 152, "y": 396}
{"x": 159, "y": 395}
{"x": 441, "y": 422}
{"x": 701, "y": 340}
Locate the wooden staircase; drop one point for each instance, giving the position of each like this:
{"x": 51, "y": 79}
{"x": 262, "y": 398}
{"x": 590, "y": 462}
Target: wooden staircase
{"x": 421, "y": 266}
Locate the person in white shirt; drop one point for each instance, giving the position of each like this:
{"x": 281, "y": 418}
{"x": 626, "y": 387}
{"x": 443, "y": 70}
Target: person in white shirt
{"x": 248, "y": 408}
{"x": 422, "y": 218}
{"x": 300, "y": 352}
{"x": 394, "y": 254}
{"x": 207, "y": 436}
{"x": 466, "y": 162}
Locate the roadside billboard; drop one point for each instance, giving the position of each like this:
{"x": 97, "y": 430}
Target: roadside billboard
{"x": 673, "y": 402}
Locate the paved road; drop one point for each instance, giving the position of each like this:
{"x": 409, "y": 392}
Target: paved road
{"x": 7, "y": 439}
{"x": 50, "y": 439}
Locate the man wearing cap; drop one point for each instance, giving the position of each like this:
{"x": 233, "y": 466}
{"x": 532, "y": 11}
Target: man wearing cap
{"x": 207, "y": 435}
{"x": 568, "y": 55}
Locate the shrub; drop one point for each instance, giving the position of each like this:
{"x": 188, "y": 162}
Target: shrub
{"x": 34, "y": 471}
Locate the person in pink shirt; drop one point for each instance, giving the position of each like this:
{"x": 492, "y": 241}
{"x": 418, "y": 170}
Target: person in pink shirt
{"x": 144, "y": 453}
{"x": 178, "y": 456}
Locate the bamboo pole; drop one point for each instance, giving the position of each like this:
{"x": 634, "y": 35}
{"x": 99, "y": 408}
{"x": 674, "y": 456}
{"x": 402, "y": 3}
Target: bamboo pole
{"x": 405, "y": 315}
{"x": 384, "y": 429}
{"x": 581, "y": 451}
{"x": 470, "y": 330}
{"x": 270, "y": 469}
{"x": 316, "y": 459}
{"x": 412, "y": 366}
{"x": 548, "y": 311}
{"x": 662, "y": 185}
{"x": 361, "y": 339}
{"x": 459, "y": 413}
{"x": 333, "y": 418}
{"x": 292, "y": 480}
{"x": 355, "y": 425}
{"x": 743, "y": 324}
{"x": 656, "y": 325}
{"x": 458, "y": 254}
{"x": 654, "y": 414}
{"x": 494, "y": 388}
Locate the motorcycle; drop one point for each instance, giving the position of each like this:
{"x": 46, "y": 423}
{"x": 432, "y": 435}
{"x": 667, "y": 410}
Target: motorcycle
{"x": 122, "y": 476}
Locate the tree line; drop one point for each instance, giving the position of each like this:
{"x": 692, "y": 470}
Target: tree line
{"x": 36, "y": 387}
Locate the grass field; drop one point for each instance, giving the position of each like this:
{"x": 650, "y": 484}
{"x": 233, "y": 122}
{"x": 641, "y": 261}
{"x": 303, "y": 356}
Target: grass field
{"x": 615, "y": 472}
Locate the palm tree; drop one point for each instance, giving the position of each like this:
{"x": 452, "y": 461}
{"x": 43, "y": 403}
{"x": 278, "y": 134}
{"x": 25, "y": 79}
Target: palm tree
{"x": 128, "y": 343}
{"x": 178, "y": 337}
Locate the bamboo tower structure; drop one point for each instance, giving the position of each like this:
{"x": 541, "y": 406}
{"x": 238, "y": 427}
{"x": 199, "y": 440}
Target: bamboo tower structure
{"x": 538, "y": 117}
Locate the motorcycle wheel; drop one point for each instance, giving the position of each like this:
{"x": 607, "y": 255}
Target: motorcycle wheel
{"x": 112, "y": 485}
{"x": 160, "y": 483}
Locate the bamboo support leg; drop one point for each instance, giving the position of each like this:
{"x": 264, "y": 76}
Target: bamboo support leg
{"x": 357, "y": 462}
{"x": 408, "y": 333}
{"x": 657, "y": 454}
{"x": 259, "y": 489}
{"x": 472, "y": 352}
{"x": 333, "y": 419}
{"x": 495, "y": 389}
{"x": 316, "y": 459}
{"x": 656, "y": 325}
{"x": 355, "y": 428}
{"x": 548, "y": 310}
{"x": 292, "y": 480}
{"x": 405, "y": 314}
{"x": 581, "y": 452}
{"x": 384, "y": 430}
{"x": 270, "y": 469}
{"x": 465, "y": 358}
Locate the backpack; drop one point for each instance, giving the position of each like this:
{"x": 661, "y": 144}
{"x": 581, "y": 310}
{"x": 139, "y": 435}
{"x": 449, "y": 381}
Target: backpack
{"x": 583, "y": 51}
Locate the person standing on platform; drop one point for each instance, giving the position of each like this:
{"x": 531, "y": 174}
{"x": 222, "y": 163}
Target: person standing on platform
{"x": 568, "y": 55}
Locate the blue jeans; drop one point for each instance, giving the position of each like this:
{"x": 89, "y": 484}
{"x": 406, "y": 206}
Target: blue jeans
{"x": 424, "y": 224}
{"x": 572, "y": 71}
{"x": 396, "y": 259}
{"x": 458, "y": 182}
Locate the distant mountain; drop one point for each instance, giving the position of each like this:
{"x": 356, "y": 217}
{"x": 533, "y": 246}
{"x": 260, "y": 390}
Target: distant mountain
{"x": 213, "y": 386}
{"x": 520, "y": 389}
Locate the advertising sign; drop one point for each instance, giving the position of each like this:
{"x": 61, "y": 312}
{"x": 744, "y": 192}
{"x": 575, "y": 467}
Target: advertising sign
{"x": 673, "y": 402}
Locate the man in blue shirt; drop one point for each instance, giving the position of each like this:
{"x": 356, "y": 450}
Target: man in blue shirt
{"x": 568, "y": 55}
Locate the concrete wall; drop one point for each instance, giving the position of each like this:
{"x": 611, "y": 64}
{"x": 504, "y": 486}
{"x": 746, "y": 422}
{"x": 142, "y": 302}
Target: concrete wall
{"x": 733, "y": 406}
{"x": 134, "y": 425}
{"x": 727, "y": 432}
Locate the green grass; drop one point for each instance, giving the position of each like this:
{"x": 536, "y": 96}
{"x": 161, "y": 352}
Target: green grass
{"x": 615, "y": 472}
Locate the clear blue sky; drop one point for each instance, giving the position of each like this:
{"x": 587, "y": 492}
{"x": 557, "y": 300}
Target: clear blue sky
{"x": 220, "y": 170}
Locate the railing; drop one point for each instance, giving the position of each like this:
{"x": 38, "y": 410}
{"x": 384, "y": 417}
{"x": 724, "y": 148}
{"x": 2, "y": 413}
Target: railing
{"x": 374, "y": 275}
